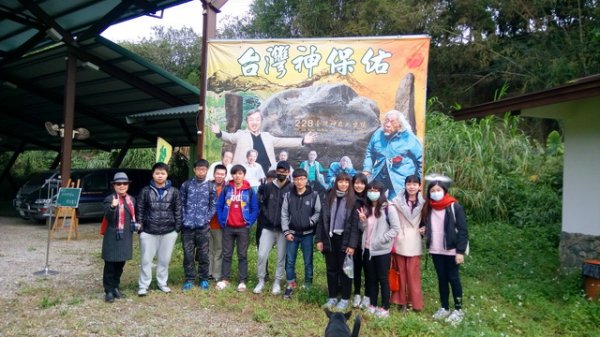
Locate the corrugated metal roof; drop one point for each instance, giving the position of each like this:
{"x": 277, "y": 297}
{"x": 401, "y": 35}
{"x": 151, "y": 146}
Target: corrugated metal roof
{"x": 184, "y": 111}
{"x": 124, "y": 84}
{"x": 111, "y": 82}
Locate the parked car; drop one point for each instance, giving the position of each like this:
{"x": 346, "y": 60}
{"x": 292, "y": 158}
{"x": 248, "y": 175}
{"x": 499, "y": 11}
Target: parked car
{"x": 35, "y": 197}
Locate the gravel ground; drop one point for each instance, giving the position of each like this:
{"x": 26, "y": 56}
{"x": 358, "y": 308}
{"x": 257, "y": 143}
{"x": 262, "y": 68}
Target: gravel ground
{"x": 71, "y": 303}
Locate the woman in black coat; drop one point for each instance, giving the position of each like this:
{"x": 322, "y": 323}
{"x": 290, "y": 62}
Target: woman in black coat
{"x": 118, "y": 226}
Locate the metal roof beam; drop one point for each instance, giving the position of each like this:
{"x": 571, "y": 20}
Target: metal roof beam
{"x": 47, "y": 20}
{"x": 22, "y": 116}
{"x": 28, "y": 139}
{"x": 58, "y": 99}
{"x": 22, "y": 49}
{"x": 128, "y": 78}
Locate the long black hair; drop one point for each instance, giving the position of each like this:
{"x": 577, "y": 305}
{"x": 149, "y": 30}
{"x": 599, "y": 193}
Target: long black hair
{"x": 376, "y": 185}
{"x": 412, "y": 179}
{"x": 363, "y": 179}
{"x": 350, "y": 197}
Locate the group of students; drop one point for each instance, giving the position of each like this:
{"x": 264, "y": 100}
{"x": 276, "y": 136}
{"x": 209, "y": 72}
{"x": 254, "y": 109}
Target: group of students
{"x": 353, "y": 220}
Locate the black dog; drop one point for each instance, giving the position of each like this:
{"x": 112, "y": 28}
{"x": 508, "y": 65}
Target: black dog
{"x": 337, "y": 324}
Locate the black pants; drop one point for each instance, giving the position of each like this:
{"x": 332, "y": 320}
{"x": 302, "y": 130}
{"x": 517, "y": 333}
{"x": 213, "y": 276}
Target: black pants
{"x": 376, "y": 278}
{"x": 447, "y": 273}
{"x": 336, "y": 278}
{"x": 195, "y": 248}
{"x": 358, "y": 269}
{"x": 111, "y": 277}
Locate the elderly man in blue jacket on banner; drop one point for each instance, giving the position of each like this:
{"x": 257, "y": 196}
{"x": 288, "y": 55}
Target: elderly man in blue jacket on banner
{"x": 394, "y": 152}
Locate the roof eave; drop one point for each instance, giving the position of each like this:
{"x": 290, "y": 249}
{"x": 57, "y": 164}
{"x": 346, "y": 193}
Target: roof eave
{"x": 578, "y": 89}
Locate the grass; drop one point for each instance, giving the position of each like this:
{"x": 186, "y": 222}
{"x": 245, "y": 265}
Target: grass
{"x": 511, "y": 280}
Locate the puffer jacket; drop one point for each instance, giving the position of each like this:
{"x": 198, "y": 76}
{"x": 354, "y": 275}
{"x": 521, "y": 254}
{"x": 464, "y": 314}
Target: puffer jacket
{"x": 386, "y": 229}
{"x": 198, "y": 202}
{"x": 158, "y": 210}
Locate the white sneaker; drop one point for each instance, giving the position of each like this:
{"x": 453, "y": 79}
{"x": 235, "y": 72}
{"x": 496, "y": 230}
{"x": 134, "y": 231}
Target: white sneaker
{"x": 372, "y": 310}
{"x": 222, "y": 284}
{"x": 455, "y": 317}
{"x": 365, "y": 303}
{"x": 142, "y": 292}
{"x": 164, "y": 289}
{"x": 382, "y": 313}
{"x": 259, "y": 287}
{"x": 276, "y": 290}
{"x": 241, "y": 287}
{"x": 356, "y": 302}
{"x": 330, "y": 304}
{"x": 441, "y": 314}
{"x": 342, "y": 305}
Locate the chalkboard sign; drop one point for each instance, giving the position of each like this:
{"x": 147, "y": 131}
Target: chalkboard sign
{"x": 68, "y": 197}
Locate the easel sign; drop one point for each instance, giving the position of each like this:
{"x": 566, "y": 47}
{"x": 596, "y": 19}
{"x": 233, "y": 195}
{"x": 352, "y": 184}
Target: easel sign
{"x": 68, "y": 197}
{"x": 67, "y": 201}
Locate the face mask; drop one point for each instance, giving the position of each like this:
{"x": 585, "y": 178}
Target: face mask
{"x": 373, "y": 196}
{"x": 437, "y": 196}
{"x": 282, "y": 177}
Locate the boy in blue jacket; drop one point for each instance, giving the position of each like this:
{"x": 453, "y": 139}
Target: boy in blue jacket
{"x": 198, "y": 202}
{"x": 237, "y": 210}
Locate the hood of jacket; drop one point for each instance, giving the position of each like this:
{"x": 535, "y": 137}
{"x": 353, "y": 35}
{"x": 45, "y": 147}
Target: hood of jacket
{"x": 245, "y": 185}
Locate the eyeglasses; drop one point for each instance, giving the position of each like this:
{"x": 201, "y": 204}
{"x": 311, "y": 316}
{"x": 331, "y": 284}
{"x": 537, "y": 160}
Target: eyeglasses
{"x": 121, "y": 184}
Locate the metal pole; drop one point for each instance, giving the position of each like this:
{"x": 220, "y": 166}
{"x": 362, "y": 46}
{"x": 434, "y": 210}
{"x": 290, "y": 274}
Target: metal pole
{"x": 210, "y": 8}
{"x": 46, "y": 271}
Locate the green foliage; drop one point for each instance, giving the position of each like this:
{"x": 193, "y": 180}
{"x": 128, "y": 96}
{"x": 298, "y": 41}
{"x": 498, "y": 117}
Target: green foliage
{"x": 175, "y": 50}
{"x": 477, "y": 46}
{"x": 498, "y": 172}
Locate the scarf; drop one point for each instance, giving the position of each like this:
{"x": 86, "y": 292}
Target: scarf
{"x": 336, "y": 222}
{"x": 446, "y": 201}
{"x": 121, "y": 215}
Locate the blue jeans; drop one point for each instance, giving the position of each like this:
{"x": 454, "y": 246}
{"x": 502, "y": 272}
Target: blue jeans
{"x": 306, "y": 244}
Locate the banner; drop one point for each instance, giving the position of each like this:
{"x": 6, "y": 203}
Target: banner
{"x": 163, "y": 151}
{"x": 356, "y": 104}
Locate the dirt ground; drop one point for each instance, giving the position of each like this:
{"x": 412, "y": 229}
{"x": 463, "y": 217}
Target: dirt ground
{"x": 71, "y": 303}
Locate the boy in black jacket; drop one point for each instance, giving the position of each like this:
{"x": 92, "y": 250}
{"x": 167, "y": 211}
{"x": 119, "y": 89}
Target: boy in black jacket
{"x": 299, "y": 216}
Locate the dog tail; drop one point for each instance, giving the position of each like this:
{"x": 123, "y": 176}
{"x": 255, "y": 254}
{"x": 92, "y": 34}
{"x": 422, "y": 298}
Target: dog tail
{"x": 356, "y": 326}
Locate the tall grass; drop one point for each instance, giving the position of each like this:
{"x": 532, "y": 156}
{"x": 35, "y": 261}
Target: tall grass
{"x": 499, "y": 173}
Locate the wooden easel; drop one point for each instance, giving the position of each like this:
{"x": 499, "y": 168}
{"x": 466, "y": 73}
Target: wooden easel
{"x": 64, "y": 213}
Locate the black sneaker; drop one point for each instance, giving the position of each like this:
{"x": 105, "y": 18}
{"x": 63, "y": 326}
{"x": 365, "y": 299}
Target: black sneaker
{"x": 108, "y": 297}
{"x": 288, "y": 294}
{"x": 117, "y": 293}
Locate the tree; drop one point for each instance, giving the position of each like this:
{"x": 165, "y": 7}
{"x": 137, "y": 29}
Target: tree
{"x": 175, "y": 50}
{"x": 477, "y": 45}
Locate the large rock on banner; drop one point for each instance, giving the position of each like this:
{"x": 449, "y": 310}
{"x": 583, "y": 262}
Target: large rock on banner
{"x": 343, "y": 121}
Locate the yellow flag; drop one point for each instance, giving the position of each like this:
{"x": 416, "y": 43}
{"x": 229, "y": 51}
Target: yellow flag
{"x": 163, "y": 151}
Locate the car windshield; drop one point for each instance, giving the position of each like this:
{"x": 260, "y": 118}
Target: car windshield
{"x": 39, "y": 179}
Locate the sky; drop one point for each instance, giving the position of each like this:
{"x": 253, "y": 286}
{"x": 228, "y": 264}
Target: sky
{"x": 188, "y": 15}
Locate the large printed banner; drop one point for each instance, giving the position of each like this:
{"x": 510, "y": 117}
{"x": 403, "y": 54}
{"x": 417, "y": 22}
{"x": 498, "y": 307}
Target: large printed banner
{"x": 356, "y": 104}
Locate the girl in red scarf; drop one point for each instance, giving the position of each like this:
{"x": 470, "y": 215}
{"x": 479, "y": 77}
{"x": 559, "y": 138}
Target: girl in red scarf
{"x": 445, "y": 229}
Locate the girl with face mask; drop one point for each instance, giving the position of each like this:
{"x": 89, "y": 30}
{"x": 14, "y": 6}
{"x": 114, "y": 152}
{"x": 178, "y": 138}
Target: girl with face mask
{"x": 380, "y": 225}
{"x": 406, "y": 254}
{"x": 445, "y": 229}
